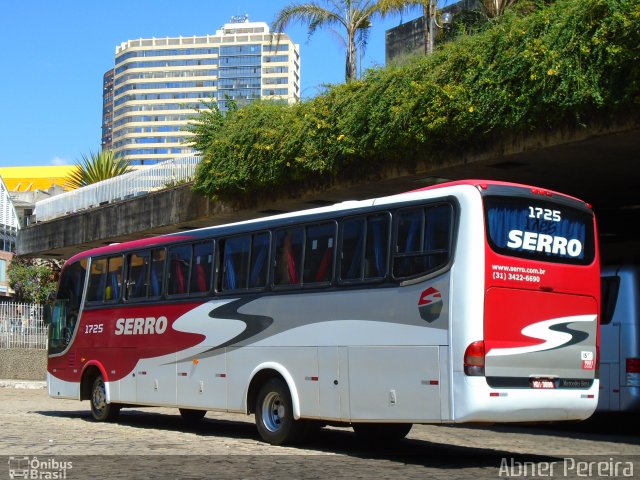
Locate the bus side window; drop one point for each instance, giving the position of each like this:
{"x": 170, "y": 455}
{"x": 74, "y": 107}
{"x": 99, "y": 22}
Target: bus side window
{"x": 437, "y": 235}
{"x": 138, "y": 274}
{"x": 423, "y": 239}
{"x": 202, "y": 267}
{"x": 114, "y": 279}
{"x": 318, "y": 253}
{"x": 288, "y": 256}
{"x": 609, "y": 287}
{"x": 259, "y": 260}
{"x": 377, "y": 246}
{"x": 364, "y": 249}
{"x": 97, "y": 280}
{"x": 179, "y": 268}
{"x": 235, "y": 262}
{"x": 156, "y": 274}
{"x": 352, "y": 262}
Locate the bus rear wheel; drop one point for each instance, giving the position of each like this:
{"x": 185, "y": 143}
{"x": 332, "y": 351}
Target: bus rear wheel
{"x": 100, "y": 409}
{"x": 381, "y": 432}
{"x": 274, "y": 414}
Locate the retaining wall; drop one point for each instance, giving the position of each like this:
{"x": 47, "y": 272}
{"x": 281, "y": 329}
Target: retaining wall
{"x": 23, "y": 364}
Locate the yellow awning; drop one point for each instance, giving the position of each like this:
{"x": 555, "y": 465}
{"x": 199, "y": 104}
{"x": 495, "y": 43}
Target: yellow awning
{"x": 24, "y": 179}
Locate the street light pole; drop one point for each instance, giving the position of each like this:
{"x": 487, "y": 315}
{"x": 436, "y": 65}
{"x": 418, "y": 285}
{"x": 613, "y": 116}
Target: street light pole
{"x": 430, "y": 19}
{"x": 430, "y": 11}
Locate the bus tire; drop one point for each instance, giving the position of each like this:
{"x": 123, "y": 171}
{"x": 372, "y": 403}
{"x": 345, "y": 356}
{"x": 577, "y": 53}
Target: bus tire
{"x": 191, "y": 416}
{"x": 100, "y": 409}
{"x": 381, "y": 432}
{"x": 274, "y": 414}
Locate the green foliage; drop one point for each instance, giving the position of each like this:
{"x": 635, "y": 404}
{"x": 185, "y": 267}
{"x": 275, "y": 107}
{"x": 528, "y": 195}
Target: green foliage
{"x": 534, "y": 69}
{"x": 33, "y": 280}
{"x": 97, "y": 167}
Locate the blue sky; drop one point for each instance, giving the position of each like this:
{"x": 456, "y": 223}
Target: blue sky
{"x": 54, "y": 53}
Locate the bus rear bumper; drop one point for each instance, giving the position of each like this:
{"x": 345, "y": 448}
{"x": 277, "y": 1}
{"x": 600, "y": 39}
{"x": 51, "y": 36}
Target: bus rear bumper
{"x": 475, "y": 401}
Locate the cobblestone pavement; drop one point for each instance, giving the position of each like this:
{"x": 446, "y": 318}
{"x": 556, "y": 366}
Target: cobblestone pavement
{"x": 157, "y": 443}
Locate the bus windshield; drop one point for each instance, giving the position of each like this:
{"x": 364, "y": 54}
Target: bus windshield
{"x": 539, "y": 230}
{"x": 67, "y": 306}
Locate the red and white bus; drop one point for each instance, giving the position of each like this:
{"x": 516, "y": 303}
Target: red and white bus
{"x": 468, "y": 301}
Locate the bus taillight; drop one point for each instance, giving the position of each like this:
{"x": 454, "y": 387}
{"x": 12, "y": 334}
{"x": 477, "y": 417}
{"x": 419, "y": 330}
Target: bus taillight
{"x": 474, "y": 359}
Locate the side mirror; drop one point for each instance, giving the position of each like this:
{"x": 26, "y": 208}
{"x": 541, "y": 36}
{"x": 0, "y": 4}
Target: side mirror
{"x": 47, "y": 314}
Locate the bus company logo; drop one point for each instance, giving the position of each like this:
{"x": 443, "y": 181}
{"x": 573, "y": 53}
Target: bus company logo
{"x": 27, "y": 467}
{"x": 430, "y": 304}
{"x": 141, "y": 326}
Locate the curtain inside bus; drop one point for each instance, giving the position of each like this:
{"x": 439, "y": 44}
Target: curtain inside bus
{"x": 539, "y": 230}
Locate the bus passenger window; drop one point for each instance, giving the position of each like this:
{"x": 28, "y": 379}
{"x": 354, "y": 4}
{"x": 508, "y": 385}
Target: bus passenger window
{"x": 318, "y": 253}
{"x": 202, "y": 267}
{"x": 259, "y": 260}
{"x": 423, "y": 238}
{"x": 288, "y": 256}
{"x": 97, "y": 280}
{"x": 364, "y": 249}
{"x": 377, "y": 247}
{"x": 156, "y": 275}
{"x": 179, "y": 266}
{"x": 235, "y": 262}
{"x": 351, "y": 266}
{"x": 114, "y": 279}
{"x": 137, "y": 278}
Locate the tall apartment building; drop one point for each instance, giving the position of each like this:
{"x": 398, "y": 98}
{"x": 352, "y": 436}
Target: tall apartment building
{"x": 159, "y": 83}
{"x": 107, "y": 109}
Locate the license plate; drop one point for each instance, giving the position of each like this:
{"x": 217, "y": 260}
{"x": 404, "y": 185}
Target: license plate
{"x": 542, "y": 383}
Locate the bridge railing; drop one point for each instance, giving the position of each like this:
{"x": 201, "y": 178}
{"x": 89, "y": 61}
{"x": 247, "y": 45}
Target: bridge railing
{"x": 137, "y": 182}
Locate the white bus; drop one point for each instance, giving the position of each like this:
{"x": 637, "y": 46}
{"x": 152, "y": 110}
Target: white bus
{"x": 620, "y": 331}
{"x": 465, "y": 302}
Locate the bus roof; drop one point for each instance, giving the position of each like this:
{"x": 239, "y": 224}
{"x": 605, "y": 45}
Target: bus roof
{"x": 346, "y": 207}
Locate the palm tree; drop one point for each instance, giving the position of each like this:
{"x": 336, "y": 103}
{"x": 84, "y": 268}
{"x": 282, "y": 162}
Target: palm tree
{"x": 495, "y": 8}
{"x": 351, "y": 17}
{"x": 97, "y": 167}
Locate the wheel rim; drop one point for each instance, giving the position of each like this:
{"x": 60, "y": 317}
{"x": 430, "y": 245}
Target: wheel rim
{"x": 99, "y": 398}
{"x": 273, "y": 412}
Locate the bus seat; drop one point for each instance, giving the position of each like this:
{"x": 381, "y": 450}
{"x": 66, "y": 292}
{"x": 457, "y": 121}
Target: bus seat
{"x": 201, "y": 278}
{"x": 155, "y": 284}
{"x": 325, "y": 263}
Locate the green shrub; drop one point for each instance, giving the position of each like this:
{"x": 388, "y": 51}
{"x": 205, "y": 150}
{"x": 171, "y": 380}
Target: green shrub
{"x": 565, "y": 64}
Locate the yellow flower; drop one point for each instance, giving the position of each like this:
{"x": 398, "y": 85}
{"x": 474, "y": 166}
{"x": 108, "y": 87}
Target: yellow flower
{"x": 471, "y": 109}
{"x": 551, "y": 71}
{"x": 340, "y": 137}
{"x": 533, "y": 76}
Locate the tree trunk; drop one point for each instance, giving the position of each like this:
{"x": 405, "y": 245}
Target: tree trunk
{"x": 351, "y": 72}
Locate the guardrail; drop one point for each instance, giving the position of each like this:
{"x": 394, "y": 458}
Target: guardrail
{"x": 22, "y": 326}
{"x": 129, "y": 185}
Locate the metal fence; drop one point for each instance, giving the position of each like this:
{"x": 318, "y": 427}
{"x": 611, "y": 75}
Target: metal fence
{"x": 129, "y": 185}
{"x": 22, "y": 326}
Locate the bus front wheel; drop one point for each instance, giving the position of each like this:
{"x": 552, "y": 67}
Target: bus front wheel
{"x": 100, "y": 409}
{"x": 274, "y": 414}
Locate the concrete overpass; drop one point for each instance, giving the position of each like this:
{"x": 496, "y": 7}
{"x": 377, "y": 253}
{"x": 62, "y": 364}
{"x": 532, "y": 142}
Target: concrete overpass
{"x": 599, "y": 164}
